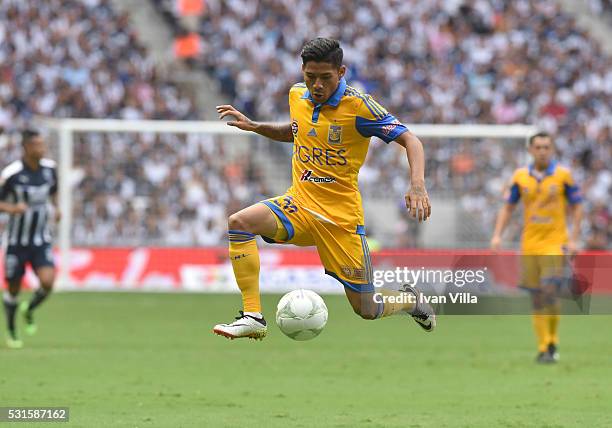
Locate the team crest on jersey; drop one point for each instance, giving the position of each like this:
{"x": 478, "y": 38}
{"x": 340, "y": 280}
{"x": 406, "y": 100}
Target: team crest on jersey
{"x": 24, "y": 179}
{"x": 334, "y": 136}
{"x": 294, "y": 127}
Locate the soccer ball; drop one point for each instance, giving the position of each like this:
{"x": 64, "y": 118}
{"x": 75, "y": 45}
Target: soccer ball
{"x": 301, "y": 314}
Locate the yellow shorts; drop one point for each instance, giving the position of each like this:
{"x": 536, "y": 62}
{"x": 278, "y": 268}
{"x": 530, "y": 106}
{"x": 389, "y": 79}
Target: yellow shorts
{"x": 538, "y": 270}
{"x": 344, "y": 255}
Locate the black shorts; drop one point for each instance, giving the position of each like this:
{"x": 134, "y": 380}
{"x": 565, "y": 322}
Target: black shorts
{"x": 17, "y": 257}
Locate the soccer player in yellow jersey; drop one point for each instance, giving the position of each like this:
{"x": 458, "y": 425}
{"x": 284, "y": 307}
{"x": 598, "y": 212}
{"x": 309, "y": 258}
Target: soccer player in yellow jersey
{"x": 548, "y": 193}
{"x": 331, "y": 126}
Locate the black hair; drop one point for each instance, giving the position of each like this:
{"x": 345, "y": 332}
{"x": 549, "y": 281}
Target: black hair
{"x": 322, "y": 49}
{"x": 28, "y": 134}
{"x": 541, "y": 134}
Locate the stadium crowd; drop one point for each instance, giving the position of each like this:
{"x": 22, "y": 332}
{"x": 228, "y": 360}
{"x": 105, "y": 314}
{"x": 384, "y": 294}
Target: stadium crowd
{"x": 69, "y": 58}
{"x": 440, "y": 61}
{"x": 165, "y": 190}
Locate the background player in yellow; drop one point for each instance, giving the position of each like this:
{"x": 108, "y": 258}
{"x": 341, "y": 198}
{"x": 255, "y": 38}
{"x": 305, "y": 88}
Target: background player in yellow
{"x": 549, "y": 194}
{"x": 330, "y": 128}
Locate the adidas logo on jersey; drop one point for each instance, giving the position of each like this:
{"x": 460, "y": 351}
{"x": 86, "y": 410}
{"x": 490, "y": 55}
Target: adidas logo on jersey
{"x": 312, "y": 133}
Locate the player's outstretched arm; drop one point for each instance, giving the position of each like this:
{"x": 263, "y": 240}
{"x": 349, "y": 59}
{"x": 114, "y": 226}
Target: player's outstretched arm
{"x": 576, "y": 217}
{"x": 56, "y": 208}
{"x": 274, "y": 131}
{"x": 500, "y": 225}
{"x": 7, "y": 207}
{"x": 417, "y": 199}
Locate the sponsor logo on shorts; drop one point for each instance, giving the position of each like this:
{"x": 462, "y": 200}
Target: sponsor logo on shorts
{"x": 11, "y": 263}
{"x": 353, "y": 272}
{"x": 307, "y": 176}
{"x": 49, "y": 255}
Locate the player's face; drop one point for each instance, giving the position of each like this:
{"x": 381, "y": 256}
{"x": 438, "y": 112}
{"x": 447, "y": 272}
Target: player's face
{"x": 35, "y": 148}
{"x": 322, "y": 79}
{"x": 542, "y": 150}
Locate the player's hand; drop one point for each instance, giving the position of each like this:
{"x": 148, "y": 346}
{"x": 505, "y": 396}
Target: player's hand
{"x": 495, "y": 243}
{"x": 572, "y": 248}
{"x": 241, "y": 121}
{"x": 19, "y": 208}
{"x": 58, "y": 215}
{"x": 417, "y": 202}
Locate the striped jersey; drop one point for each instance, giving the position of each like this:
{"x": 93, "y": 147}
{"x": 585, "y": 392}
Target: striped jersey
{"x": 19, "y": 183}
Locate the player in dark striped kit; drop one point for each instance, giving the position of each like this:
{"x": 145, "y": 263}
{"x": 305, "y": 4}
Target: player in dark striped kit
{"x": 28, "y": 188}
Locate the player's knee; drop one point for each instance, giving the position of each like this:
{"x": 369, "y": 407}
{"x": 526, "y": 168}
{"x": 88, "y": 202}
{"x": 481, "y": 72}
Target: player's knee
{"x": 239, "y": 221}
{"x": 46, "y": 282}
{"x": 47, "y": 285}
{"x": 46, "y": 277}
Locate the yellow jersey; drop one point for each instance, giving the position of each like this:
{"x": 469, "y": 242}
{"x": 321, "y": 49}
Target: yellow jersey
{"x": 330, "y": 143}
{"x": 545, "y": 199}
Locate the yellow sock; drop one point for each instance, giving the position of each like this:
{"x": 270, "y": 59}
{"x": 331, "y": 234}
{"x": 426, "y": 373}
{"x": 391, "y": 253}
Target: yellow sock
{"x": 541, "y": 328}
{"x": 553, "y": 322}
{"x": 244, "y": 255}
{"x": 405, "y": 302}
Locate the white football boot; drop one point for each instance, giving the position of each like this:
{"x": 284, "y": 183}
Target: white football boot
{"x": 244, "y": 326}
{"x": 423, "y": 313}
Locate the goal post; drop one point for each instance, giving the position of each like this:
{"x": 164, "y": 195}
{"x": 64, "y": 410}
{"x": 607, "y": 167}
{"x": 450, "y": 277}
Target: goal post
{"x": 66, "y": 128}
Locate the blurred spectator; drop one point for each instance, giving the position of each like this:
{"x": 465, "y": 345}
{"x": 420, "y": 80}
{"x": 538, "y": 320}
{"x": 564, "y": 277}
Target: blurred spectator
{"x": 69, "y": 58}
{"x": 187, "y": 8}
{"x": 601, "y": 8}
{"x": 187, "y": 45}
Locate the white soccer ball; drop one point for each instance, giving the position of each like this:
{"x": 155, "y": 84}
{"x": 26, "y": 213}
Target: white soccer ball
{"x": 301, "y": 314}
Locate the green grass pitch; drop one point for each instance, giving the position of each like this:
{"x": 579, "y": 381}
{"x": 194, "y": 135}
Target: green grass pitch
{"x": 150, "y": 360}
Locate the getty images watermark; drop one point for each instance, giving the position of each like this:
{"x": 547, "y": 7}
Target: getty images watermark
{"x": 459, "y": 278}
{"x": 492, "y": 284}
